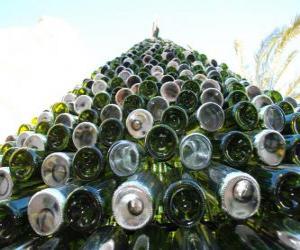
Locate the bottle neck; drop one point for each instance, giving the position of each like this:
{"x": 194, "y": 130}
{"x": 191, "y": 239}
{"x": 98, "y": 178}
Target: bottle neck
{"x": 88, "y": 163}
{"x": 135, "y": 201}
{"x": 184, "y": 202}
{"x": 59, "y": 138}
{"x": 56, "y": 169}
{"x": 210, "y": 116}
{"x": 234, "y": 148}
{"x": 238, "y": 192}
{"x": 110, "y": 131}
{"x": 280, "y": 187}
{"x": 161, "y": 142}
{"x": 176, "y": 118}
{"x": 125, "y": 157}
{"x": 85, "y": 207}
{"x": 24, "y": 164}
{"x": 45, "y": 209}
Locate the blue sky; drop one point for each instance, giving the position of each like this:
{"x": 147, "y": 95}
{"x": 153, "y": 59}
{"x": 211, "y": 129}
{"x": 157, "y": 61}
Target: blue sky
{"x": 48, "y": 45}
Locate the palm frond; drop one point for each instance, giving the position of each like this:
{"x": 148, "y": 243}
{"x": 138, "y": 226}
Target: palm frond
{"x": 268, "y": 57}
{"x": 277, "y": 74}
{"x": 289, "y": 33}
{"x": 262, "y": 57}
{"x": 291, "y": 91}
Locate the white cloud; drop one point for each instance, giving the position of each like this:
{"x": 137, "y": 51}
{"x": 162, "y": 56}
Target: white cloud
{"x": 38, "y": 64}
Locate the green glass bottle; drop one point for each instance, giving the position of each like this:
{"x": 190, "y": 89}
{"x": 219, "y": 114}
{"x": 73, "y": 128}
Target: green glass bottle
{"x": 7, "y": 145}
{"x": 116, "y": 82}
{"x": 269, "y": 147}
{"x": 111, "y": 111}
{"x": 43, "y": 127}
{"x": 156, "y": 106}
{"x": 138, "y": 123}
{"x": 195, "y": 151}
{"x": 108, "y": 237}
{"x": 25, "y": 127}
{"x": 260, "y": 101}
{"x": 192, "y": 86}
{"x": 100, "y": 100}
{"x": 292, "y": 124}
{"x": 148, "y": 89}
{"x": 210, "y": 117}
{"x": 175, "y": 117}
{"x": 234, "y": 97}
{"x": 170, "y": 91}
{"x": 22, "y": 137}
{"x": 88, "y": 206}
{"x": 132, "y": 80}
{"x": 45, "y": 209}
{"x": 110, "y": 131}
{"x": 99, "y": 86}
{"x": 59, "y": 138}
{"x": 286, "y": 107}
{"x": 233, "y": 148}
{"x": 230, "y": 80}
{"x": 11, "y": 189}
{"x": 25, "y": 164}
{"x": 37, "y": 142}
{"x": 46, "y": 116}
{"x": 131, "y": 103}
{"x": 85, "y": 134}
{"x": 271, "y": 117}
{"x": 233, "y": 86}
{"x": 125, "y": 157}
{"x": 184, "y": 202}
{"x": 82, "y": 103}
{"x": 291, "y": 100}
{"x": 242, "y": 115}
{"x": 209, "y": 83}
{"x": 59, "y": 108}
{"x": 252, "y": 91}
{"x": 88, "y": 163}
{"x": 188, "y": 100}
{"x": 7, "y": 155}
{"x": 280, "y": 187}
{"x": 87, "y": 83}
{"x": 89, "y": 115}
{"x": 274, "y": 95}
{"x": 229, "y": 192}
{"x": 69, "y": 99}
{"x": 212, "y": 95}
{"x": 135, "y": 201}
{"x": 161, "y": 142}
{"x": 56, "y": 169}
{"x": 292, "y": 149}
{"x": 82, "y": 90}
{"x": 13, "y": 220}
{"x": 67, "y": 119}
{"x": 121, "y": 94}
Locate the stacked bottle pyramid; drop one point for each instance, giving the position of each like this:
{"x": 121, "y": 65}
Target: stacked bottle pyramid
{"x": 161, "y": 148}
